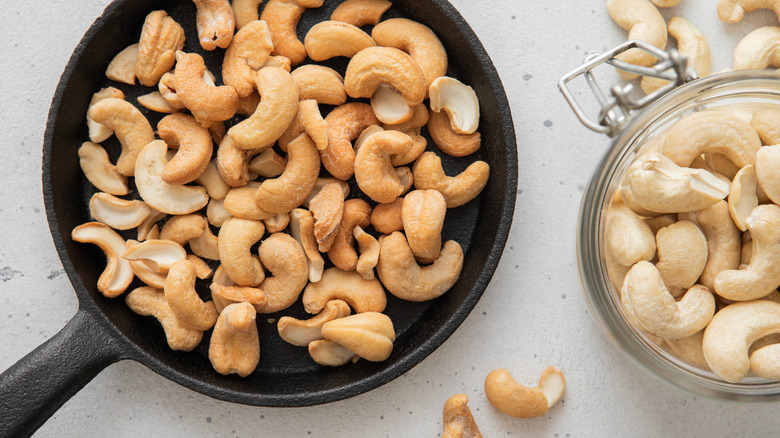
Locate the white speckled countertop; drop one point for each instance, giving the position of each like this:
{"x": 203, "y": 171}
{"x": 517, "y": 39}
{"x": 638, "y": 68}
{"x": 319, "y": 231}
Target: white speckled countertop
{"x": 533, "y": 314}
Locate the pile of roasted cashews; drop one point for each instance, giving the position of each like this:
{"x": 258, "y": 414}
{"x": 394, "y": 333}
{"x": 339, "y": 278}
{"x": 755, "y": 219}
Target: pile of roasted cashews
{"x": 258, "y": 206}
{"x": 692, "y": 237}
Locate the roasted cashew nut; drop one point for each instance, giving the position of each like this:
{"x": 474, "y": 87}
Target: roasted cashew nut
{"x": 158, "y": 194}
{"x": 236, "y": 238}
{"x": 268, "y": 164}
{"x": 327, "y": 208}
{"x": 423, "y": 219}
{"x": 183, "y": 228}
{"x": 457, "y": 419}
{"x": 282, "y": 17}
{"x": 369, "y": 335}
{"x": 457, "y": 190}
{"x": 96, "y": 166}
{"x": 161, "y": 37}
{"x": 361, "y": 294}
{"x": 285, "y": 259}
{"x": 302, "y": 229}
{"x": 682, "y": 255}
{"x": 387, "y": 218}
{"x": 345, "y": 123}
{"x": 516, "y": 400}
{"x": 118, "y": 274}
{"x": 233, "y": 163}
{"x": 692, "y": 44}
{"x": 732, "y": 11}
{"x": 122, "y": 66}
{"x": 97, "y": 132}
{"x": 216, "y": 23}
{"x": 241, "y": 203}
{"x": 331, "y": 39}
{"x": 342, "y": 251}
{"x": 374, "y": 66}
{"x": 374, "y": 171}
{"x": 235, "y": 343}
{"x": 246, "y": 55}
{"x": 207, "y": 102}
{"x": 458, "y": 101}
{"x": 643, "y": 22}
{"x": 118, "y": 213}
{"x": 224, "y": 292}
{"x": 148, "y": 301}
{"x": 360, "y": 13}
{"x": 245, "y": 11}
{"x": 195, "y": 148}
{"x": 290, "y": 189}
{"x": 451, "y": 143}
{"x": 302, "y": 332}
{"x": 130, "y": 126}
{"x": 159, "y": 255}
{"x": 723, "y": 242}
{"x": 183, "y": 299}
{"x": 329, "y": 353}
{"x": 320, "y": 83}
{"x": 416, "y": 39}
{"x": 144, "y": 273}
{"x": 312, "y": 123}
{"x": 369, "y": 253}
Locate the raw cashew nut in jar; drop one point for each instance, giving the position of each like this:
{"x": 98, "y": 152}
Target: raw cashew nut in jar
{"x": 235, "y": 343}
{"x": 457, "y": 190}
{"x": 682, "y": 255}
{"x": 766, "y": 122}
{"x": 768, "y": 172}
{"x": 457, "y": 419}
{"x": 195, "y": 148}
{"x": 216, "y": 23}
{"x": 290, "y": 189}
{"x": 732, "y": 11}
{"x": 643, "y": 22}
{"x": 130, "y": 127}
{"x": 118, "y": 274}
{"x": 516, "y": 400}
{"x": 374, "y": 171}
{"x": 723, "y": 242}
{"x": 423, "y": 218}
{"x": 284, "y": 258}
{"x": 236, "y": 238}
{"x": 629, "y": 239}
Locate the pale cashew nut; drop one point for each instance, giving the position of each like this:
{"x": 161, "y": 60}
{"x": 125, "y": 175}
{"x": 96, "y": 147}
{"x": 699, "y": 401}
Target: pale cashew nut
{"x": 161, "y": 37}
{"x": 98, "y": 132}
{"x": 423, "y": 219}
{"x": 246, "y": 55}
{"x": 418, "y": 41}
{"x": 369, "y": 253}
{"x": 130, "y": 126}
{"x": 458, "y": 101}
{"x": 404, "y": 278}
{"x": 241, "y": 203}
{"x": 643, "y": 22}
{"x": 216, "y": 213}
{"x": 451, "y": 143}
{"x": 732, "y": 11}
{"x": 387, "y": 218}
{"x": 118, "y": 213}
{"x": 731, "y": 332}
{"x": 212, "y": 181}
{"x": 233, "y": 163}
{"x": 628, "y": 238}
{"x": 302, "y": 332}
{"x": 723, "y": 242}
{"x": 183, "y": 228}
{"x": 711, "y": 132}
{"x": 268, "y": 164}
{"x": 322, "y": 182}
{"x": 277, "y": 108}
{"x": 742, "y": 195}
{"x": 369, "y": 335}
{"x": 235, "y": 343}
{"x": 762, "y": 276}
{"x": 457, "y": 190}
{"x": 373, "y": 169}
{"x": 389, "y": 106}
{"x": 767, "y": 171}
{"x": 682, "y": 255}
{"x": 236, "y": 238}
{"x": 327, "y": 208}
{"x": 361, "y": 294}
{"x": 765, "y": 362}
{"x": 666, "y": 3}
{"x": 689, "y": 349}
{"x": 96, "y": 166}
{"x": 202, "y": 269}
{"x": 157, "y": 254}
{"x": 302, "y": 229}
{"x": 156, "y": 102}
{"x": 374, "y": 66}
{"x": 149, "y": 301}
{"x": 285, "y": 259}
{"x": 692, "y": 44}
{"x": 361, "y": 12}
{"x": 330, "y": 39}
{"x": 122, "y": 66}
{"x": 145, "y": 230}
{"x": 195, "y": 148}
{"x": 342, "y": 251}
{"x": 457, "y": 419}
{"x": 320, "y": 83}
{"x": 311, "y": 121}
{"x": 290, "y": 189}
{"x": 183, "y": 299}
{"x": 282, "y": 18}
{"x": 329, "y": 353}
{"x": 206, "y": 101}
{"x": 658, "y": 222}
{"x": 345, "y": 123}
{"x": 118, "y": 274}
{"x": 758, "y": 49}
{"x": 215, "y": 22}
{"x": 245, "y": 11}
{"x": 158, "y": 194}
{"x": 766, "y": 122}
{"x": 516, "y": 400}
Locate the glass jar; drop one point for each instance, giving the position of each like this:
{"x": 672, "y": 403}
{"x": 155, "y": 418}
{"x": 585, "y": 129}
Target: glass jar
{"x": 741, "y": 92}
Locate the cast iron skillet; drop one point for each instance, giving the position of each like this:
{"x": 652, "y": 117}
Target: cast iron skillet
{"x": 104, "y": 331}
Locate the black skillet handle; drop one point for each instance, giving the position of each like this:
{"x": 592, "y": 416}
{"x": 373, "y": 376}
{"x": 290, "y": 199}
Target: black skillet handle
{"x": 34, "y": 388}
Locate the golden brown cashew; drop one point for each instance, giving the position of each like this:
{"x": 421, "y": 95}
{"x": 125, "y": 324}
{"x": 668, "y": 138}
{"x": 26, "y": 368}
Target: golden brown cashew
{"x": 458, "y": 101}
{"x": 183, "y": 299}
{"x": 732, "y": 11}
{"x": 457, "y": 190}
{"x": 329, "y": 353}
{"x": 130, "y": 126}
{"x": 290, "y": 189}
{"x": 418, "y": 120}
{"x": 195, "y": 148}
{"x": 345, "y": 123}
{"x": 245, "y": 12}
{"x": 277, "y": 223}
{"x": 96, "y": 166}
{"x": 98, "y": 132}
{"x": 236, "y": 238}
{"x": 246, "y": 55}
{"x": 322, "y": 182}
{"x": 278, "y": 104}
{"x": 235, "y": 343}
{"x": 206, "y": 101}
{"x": 157, "y": 254}
{"x": 373, "y": 170}
{"x": 148, "y": 301}
{"x": 216, "y": 23}
{"x": 407, "y": 280}
{"x": 302, "y": 229}
{"x": 327, "y": 208}
{"x": 516, "y": 400}
{"x": 692, "y": 44}
{"x": 148, "y": 225}
{"x": 643, "y": 22}
{"x": 457, "y": 419}
{"x": 311, "y": 121}
{"x": 302, "y": 332}
{"x": 268, "y": 164}
{"x": 285, "y": 259}
{"x": 282, "y": 18}
{"x": 118, "y": 275}
{"x": 122, "y": 66}
{"x": 369, "y": 335}
{"x": 369, "y": 253}
{"x": 387, "y": 218}
{"x": 374, "y": 66}
{"x": 183, "y": 228}
{"x": 240, "y": 202}
{"x": 418, "y": 41}
{"x": 320, "y": 83}
{"x": 423, "y": 218}
{"x": 202, "y": 269}
{"x": 156, "y": 102}
{"x": 212, "y": 181}
{"x": 361, "y": 294}
{"x": 342, "y": 252}
{"x": 451, "y": 143}
{"x": 161, "y": 37}
{"x": 330, "y": 39}
{"x": 389, "y": 106}
{"x": 361, "y": 12}
{"x": 233, "y": 163}
{"x": 118, "y": 213}
{"x": 758, "y": 50}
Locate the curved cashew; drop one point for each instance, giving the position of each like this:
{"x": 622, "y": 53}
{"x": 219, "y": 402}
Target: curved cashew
{"x": 245, "y": 11}
{"x": 98, "y": 132}
{"x": 418, "y": 120}
{"x": 216, "y": 23}
{"x": 277, "y": 108}
{"x": 369, "y": 335}
{"x": 183, "y": 299}
{"x": 516, "y": 400}
{"x": 322, "y": 182}
{"x": 236, "y": 238}
{"x": 241, "y": 203}
{"x": 362, "y": 295}
{"x": 195, "y": 148}
{"x": 451, "y": 143}
{"x": 96, "y": 166}
{"x": 759, "y": 49}
{"x": 457, "y": 190}
{"x": 656, "y": 309}
{"x": 711, "y": 132}
{"x": 302, "y": 332}
{"x": 389, "y": 106}
{"x": 327, "y": 208}
{"x": 387, "y": 218}
{"x": 374, "y": 172}
{"x": 206, "y": 101}
{"x": 732, "y": 330}
{"x": 732, "y": 11}
{"x": 368, "y": 132}
{"x": 767, "y": 160}
{"x": 742, "y": 195}
{"x": 216, "y": 213}
{"x": 342, "y": 251}
{"x": 157, "y": 254}
{"x": 764, "y": 362}
{"x": 311, "y": 121}
{"x": 423, "y": 219}
{"x": 457, "y": 419}
{"x": 369, "y": 253}
{"x": 122, "y": 66}
{"x": 277, "y": 223}
{"x": 148, "y": 301}
{"x": 689, "y": 349}
{"x": 235, "y": 343}
{"x": 130, "y": 126}
{"x": 282, "y": 18}
{"x": 407, "y": 280}
{"x": 329, "y": 353}
{"x": 147, "y": 226}
{"x": 766, "y": 122}
{"x": 723, "y": 242}
{"x": 224, "y": 292}
{"x": 692, "y": 44}
{"x": 118, "y": 275}
{"x": 202, "y": 269}
{"x": 666, "y": 3}
{"x": 345, "y": 123}
{"x": 320, "y": 83}
{"x": 156, "y": 102}
{"x": 181, "y": 229}
{"x": 418, "y": 41}
{"x": 144, "y": 273}
{"x": 628, "y": 238}
{"x": 285, "y": 259}
{"x": 658, "y": 222}
{"x": 682, "y": 255}
{"x": 206, "y": 245}
{"x": 158, "y": 194}
{"x": 246, "y": 55}
{"x": 762, "y": 276}
{"x": 161, "y": 37}
{"x": 659, "y": 185}
{"x": 290, "y": 189}
{"x": 233, "y": 163}
{"x": 268, "y": 164}
{"x": 330, "y": 39}
{"x": 459, "y": 102}
{"x": 302, "y": 229}
{"x": 374, "y": 66}
{"x": 361, "y": 12}
{"x": 643, "y": 22}
{"x": 118, "y": 213}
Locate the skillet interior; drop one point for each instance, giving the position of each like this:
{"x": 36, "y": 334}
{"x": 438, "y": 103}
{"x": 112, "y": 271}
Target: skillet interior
{"x": 285, "y": 376}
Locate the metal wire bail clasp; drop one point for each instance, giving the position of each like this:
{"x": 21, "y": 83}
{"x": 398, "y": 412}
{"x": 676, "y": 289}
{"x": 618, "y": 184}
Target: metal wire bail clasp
{"x": 616, "y": 108}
